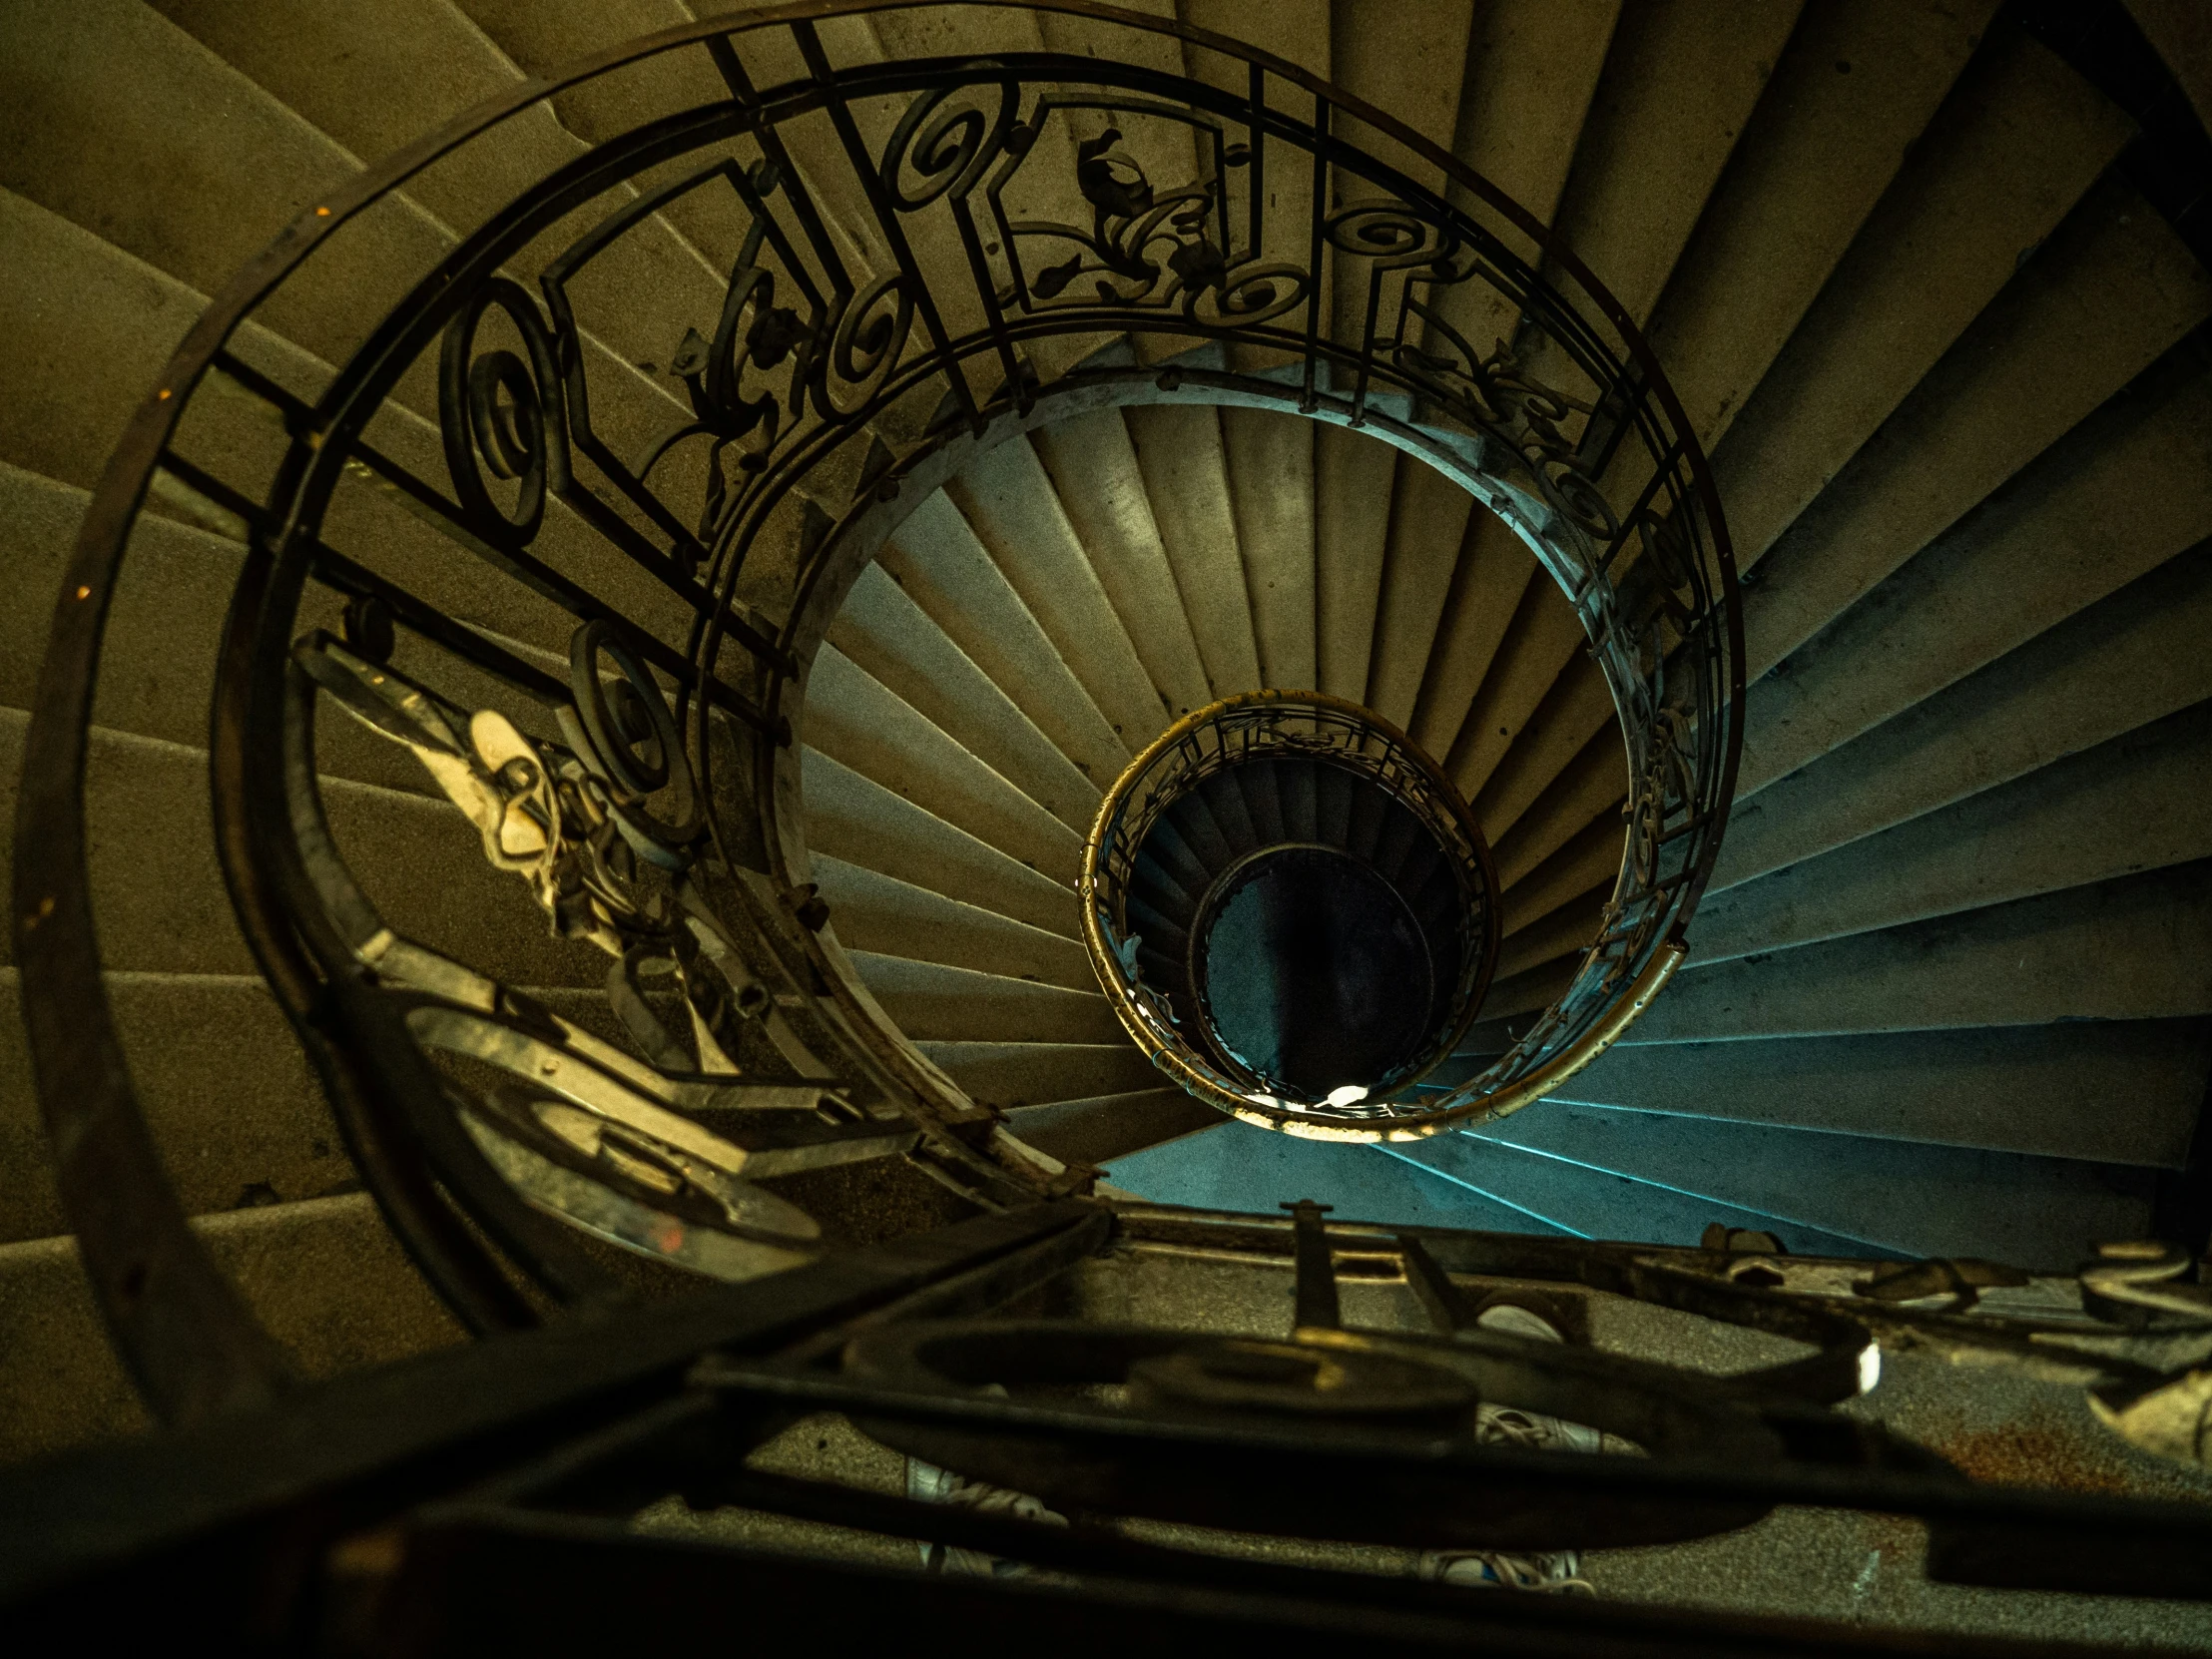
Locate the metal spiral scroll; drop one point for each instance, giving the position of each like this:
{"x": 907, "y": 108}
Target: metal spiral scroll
{"x": 502, "y": 414}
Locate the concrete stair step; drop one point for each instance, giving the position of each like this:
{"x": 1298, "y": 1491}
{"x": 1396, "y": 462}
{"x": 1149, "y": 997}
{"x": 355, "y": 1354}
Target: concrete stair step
{"x": 946, "y": 571}
{"x": 1093, "y": 468}
{"x": 857, "y": 719}
{"x": 1115, "y": 1126}
{"x": 857, "y": 820}
{"x": 1590, "y": 858}
{"x": 882, "y": 631}
{"x": 2137, "y": 947}
{"x": 1010, "y": 1074}
{"x": 1488, "y": 585}
{"x": 2108, "y": 294}
{"x": 165, "y": 629}
{"x": 1270, "y": 488}
{"x": 1543, "y": 638}
{"x": 542, "y": 39}
{"x": 2117, "y": 1092}
{"x": 1575, "y": 709}
{"x": 1589, "y": 789}
{"x": 1238, "y": 1167}
{"x": 2118, "y": 665}
{"x": 95, "y": 327}
{"x": 376, "y": 77}
{"x": 889, "y": 918}
{"x": 227, "y": 1095}
{"x": 2142, "y": 801}
{"x": 1184, "y": 466}
{"x": 143, "y": 136}
{"x": 1009, "y": 503}
{"x": 1565, "y": 931}
{"x": 1679, "y": 85}
{"x": 163, "y": 906}
{"x": 2126, "y": 490}
{"x": 1432, "y": 519}
{"x": 1605, "y": 1202}
{"x": 1819, "y": 152}
{"x": 1576, "y": 712}
{"x": 1520, "y": 104}
{"x": 124, "y": 122}
{"x": 1352, "y": 473}
{"x": 933, "y": 1002}
{"x": 2015, "y": 146}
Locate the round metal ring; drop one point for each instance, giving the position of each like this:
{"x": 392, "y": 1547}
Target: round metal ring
{"x": 621, "y": 721}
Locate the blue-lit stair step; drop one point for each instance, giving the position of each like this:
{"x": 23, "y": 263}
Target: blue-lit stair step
{"x": 1604, "y": 1203}
{"x": 1910, "y": 1198}
{"x": 1238, "y": 1167}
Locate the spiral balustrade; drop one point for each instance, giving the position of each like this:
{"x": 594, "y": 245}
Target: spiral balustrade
{"x": 929, "y": 256}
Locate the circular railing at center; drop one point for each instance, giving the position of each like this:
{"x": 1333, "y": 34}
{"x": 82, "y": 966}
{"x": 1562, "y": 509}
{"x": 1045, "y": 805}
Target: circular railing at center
{"x": 1170, "y": 1016}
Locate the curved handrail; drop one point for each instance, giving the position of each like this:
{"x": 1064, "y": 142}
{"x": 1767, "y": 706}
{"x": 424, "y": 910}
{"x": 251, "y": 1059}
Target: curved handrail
{"x": 1260, "y": 725}
{"x": 1669, "y": 638}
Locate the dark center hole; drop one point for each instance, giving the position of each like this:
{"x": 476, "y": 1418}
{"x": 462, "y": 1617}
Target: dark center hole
{"x": 1315, "y": 972}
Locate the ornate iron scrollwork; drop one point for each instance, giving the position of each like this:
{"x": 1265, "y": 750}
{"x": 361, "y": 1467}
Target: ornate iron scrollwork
{"x": 896, "y": 243}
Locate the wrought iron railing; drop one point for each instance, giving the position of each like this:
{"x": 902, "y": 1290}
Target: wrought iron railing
{"x": 456, "y": 525}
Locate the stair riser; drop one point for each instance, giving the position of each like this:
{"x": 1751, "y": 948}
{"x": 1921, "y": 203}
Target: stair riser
{"x": 2125, "y": 1093}
{"x": 2132, "y": 658}
{"x": 163, "y": 908}
{"x": 324, "y": 1278}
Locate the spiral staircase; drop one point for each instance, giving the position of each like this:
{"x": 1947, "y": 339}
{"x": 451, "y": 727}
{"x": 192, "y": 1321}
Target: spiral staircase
{"x": 1929, "y": 284}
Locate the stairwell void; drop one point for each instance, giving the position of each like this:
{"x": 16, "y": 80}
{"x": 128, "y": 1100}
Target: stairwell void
{"x": 1292, "y": 911}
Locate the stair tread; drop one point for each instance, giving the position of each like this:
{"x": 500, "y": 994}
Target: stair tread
{"x": 2111, "y": 1092}
{"x": 1678, "y": 84}
{"x": 163, "y": 904}
{"x": 1238, "y": 1167}
{"x": 2136, "y": 947}
{"x": 936, "y": 558}
{"x": 2122, "y": 493}
{"x": 882, "y": 630}
{"x": 889, "y": 918}
{"x": 1010, "y": 1074}
{"x": 2116, "y": 666}
{"x": 857, "y": 721}
{"x": 1817, "y": 155}
{"x": 2110, "y": 291}
{"x": 936, "y": 1003}
{"x": 1106, "y": 1128}
{"x": 1009, "y": 502}
{"x": 2016, "y": 142}
{"x": 2141, "y": 800}
{"x": 857, "y": 819}
{"x": 328, "y": 1280}
{"x": 1093, "y": 468}
{"x": 1180, "y": 455}
{"x": 1596, "y": 1201}
{"x": 1271, "y": 487}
